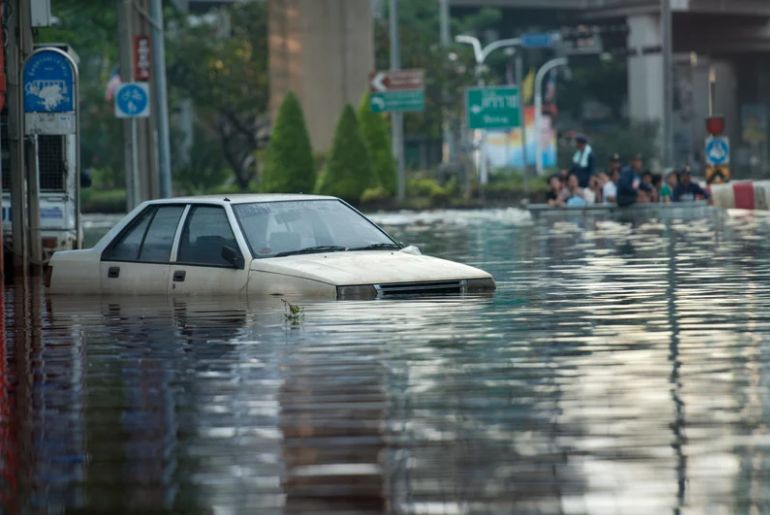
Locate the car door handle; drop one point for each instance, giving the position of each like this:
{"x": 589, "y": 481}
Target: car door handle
{"x": 179, "y": 276}
{"x": 113, "y": 272}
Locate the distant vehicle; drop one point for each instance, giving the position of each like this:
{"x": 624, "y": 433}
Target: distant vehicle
{"x": 256, "y": 245}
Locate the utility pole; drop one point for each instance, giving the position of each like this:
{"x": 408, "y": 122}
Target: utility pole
{"x": 668, "y": 86}
{"x": 448, "y": 151}
{"x": 161, "y": 100}
{"x": 130, "y": 157}
{"x": 397, "y": 118}
{"x": 18, "y": 49}
{"x": 541, "y": 73}
{"x": 522, "y": 120}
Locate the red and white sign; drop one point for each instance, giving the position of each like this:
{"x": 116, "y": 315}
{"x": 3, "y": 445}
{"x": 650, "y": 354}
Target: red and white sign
{"x": 142, "y": 58}
{"x": 400, "y": 80}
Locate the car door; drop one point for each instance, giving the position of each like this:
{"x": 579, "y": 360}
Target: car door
{"x": 209, "y": 259}
{"x": 137, "y": 260}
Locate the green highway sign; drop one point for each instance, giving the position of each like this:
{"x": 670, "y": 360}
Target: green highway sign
{"x": 492, "y": 108}
{"x": 403, "y": 100}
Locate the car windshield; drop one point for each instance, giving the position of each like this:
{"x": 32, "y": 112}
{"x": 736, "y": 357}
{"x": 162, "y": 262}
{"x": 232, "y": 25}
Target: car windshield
{"x": 274, "y": 229}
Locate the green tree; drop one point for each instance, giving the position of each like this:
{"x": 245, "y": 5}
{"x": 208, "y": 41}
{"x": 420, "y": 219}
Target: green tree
{"x": 225, "y": 76}
{"x": 289, "y": 157}
{"x": 374, "y": 128}
{"x": 348, "y": 171}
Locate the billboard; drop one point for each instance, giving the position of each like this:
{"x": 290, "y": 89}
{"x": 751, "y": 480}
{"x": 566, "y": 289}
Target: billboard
{"x": 503, "y": 148}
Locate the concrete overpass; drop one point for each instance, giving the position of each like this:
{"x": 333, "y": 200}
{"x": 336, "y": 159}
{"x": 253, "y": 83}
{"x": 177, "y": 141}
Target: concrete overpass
{"x": 732, "y": 36}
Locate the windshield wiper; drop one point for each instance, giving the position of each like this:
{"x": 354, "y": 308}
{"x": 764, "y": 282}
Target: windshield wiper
{"x": 312, "y": 250}
{"x": 377, "y": 246}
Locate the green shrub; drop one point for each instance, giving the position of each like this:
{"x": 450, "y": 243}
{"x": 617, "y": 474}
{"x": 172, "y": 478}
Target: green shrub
{"x": 376, "y": 195}
{"x": 376, "y": 135}
{"x": 348, "y": 171}
{"x": 424, "y": 187}
{"x": 289, "y": 157}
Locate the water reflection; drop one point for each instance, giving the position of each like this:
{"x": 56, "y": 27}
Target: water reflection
{"x": 622, "y": 367}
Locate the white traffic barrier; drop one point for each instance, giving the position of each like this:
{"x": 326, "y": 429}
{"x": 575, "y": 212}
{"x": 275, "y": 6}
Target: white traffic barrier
{"x": 723, "y": 195}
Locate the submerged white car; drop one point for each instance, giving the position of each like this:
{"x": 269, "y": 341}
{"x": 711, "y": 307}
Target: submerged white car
{"x": 255, "y": 245}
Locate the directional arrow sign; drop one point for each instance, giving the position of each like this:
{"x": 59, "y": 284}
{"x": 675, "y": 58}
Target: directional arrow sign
{"x": 492, "y": 108}
{"x": 400, "y": 90}
{"x": 397, "y": 80}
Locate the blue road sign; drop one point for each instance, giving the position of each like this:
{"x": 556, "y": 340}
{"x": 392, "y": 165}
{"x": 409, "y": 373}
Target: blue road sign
{"x": 537, "y": 40}
{"x": 132, "y": 100}
{"x": 717, "y": 150}
{"x": 49, "y": 82}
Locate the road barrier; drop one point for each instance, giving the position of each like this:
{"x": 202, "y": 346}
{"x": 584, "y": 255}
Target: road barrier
{"x": 742, "y": 195}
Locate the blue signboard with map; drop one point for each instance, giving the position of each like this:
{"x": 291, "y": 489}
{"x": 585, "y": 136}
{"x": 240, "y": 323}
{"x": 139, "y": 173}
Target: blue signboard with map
{"x": 49, "y": 82}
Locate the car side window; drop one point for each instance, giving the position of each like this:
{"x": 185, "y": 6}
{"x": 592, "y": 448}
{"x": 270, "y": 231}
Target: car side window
{"x": 127, "y": 246}
{"x": 206, "y": 232}
{"x": 149, "y": 239}
{"x": 160, "y": 235}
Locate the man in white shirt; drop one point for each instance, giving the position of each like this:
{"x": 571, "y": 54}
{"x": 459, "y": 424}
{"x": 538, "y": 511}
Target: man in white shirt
{"x": 610, "y": 189}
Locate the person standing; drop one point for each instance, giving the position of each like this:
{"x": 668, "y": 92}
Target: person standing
{"x": 687, "y": 190}
{"x": 628, "y": 183}
{"x": 583, "y": 162}
{"x": 610, "y": 188}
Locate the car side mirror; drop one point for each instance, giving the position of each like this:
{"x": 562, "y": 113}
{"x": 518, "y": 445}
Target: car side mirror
{"x": 232, "y": 256}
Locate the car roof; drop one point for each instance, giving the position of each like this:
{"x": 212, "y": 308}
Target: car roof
{"x": 240, "y": 198}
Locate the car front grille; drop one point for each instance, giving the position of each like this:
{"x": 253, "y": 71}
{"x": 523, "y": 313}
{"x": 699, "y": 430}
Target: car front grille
{"x": 431, "y": 288}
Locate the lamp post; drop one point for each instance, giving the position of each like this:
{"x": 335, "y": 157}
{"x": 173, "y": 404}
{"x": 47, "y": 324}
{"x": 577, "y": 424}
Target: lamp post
{"x": 480, "y": 54}
{"x": 541, "y": 73}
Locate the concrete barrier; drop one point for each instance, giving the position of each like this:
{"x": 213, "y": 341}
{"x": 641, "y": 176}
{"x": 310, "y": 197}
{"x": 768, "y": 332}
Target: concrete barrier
{"x": 743, "y": 193}
{"x": 723, "y": 195}
{"x": 762, "y": 195}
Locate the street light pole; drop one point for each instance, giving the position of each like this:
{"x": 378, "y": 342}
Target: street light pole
{"x": 541, "y": 73}
{"x": 668, "y": 87}
{"x": 396, "y": 118}
{"x": 480, "y": 54}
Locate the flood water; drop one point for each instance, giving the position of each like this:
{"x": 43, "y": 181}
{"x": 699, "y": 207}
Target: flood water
{"x": 623, "y": 366}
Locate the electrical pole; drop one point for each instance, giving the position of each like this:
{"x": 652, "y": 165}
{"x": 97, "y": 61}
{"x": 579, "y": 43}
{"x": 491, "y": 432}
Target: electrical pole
{"x": 396, "y": 118}
{"x": 668, "y": 93}
{"x": 18, "y": 49}
{"x": 130, "y": 157}
{"x": 448, "y": 151}
{"x": 161, "y": 100}
{"x": 523, "y": 120}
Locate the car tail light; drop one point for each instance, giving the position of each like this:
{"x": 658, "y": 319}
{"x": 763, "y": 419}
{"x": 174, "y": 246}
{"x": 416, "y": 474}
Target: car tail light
{"x": 47, "y": 273}
{"x": 49, "y": 242}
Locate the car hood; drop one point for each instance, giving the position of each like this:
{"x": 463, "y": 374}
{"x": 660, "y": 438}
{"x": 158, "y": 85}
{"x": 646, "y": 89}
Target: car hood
{"x": 367, "y": 267}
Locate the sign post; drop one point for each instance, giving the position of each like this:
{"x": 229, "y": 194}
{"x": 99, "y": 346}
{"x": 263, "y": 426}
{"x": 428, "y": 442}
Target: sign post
{"x": 492, "y": 107}
{"x": 132, "y": 100}
{"x": 397, "y": 91}
{"x": 717, "y": 159}
{"x": 49, "y": 88}
{"x": 50, "y": 85}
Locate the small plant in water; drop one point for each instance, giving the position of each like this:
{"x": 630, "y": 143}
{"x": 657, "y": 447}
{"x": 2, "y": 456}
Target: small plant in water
{"x": 292, "y": 312}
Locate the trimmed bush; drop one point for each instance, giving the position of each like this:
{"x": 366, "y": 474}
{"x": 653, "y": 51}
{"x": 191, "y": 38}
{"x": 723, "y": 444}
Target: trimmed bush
{"x": 377, "y": 137}
{"x": 348, "y": 171}
{"x": 289, "y": 157}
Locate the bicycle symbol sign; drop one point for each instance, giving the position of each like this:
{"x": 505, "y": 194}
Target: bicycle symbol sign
{"x": 132, "y": 100}
{"x": 717, "y": 150}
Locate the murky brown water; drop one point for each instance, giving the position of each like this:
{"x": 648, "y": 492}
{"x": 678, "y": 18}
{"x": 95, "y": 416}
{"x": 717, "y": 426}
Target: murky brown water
{"x": 622, "y": 367}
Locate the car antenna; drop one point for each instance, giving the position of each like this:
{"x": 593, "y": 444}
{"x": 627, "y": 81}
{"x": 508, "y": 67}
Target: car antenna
{"x": 227, "y": 199}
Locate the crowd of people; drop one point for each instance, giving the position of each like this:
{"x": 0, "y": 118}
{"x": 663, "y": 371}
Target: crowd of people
{"x": 582, "y": 185}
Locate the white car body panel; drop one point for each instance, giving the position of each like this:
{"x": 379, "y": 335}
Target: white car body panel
{"x": 367, "y": 267}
